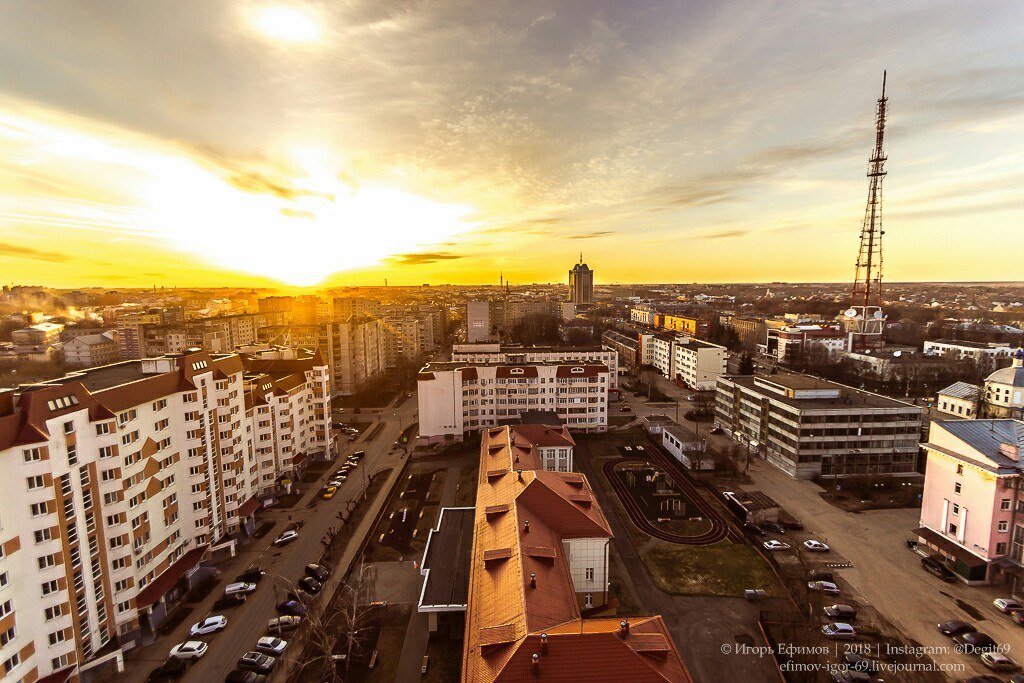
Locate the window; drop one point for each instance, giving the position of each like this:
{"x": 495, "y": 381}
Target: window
{"x": 60, "y": 662}
{"x": 38, "y": 509}
{"x": 121, "y": 585}
{"x": 959, "y": 469}
{"x": 102, "y": 428}
{"x": 42, "y": 535}
{"x": 36, "y": 482}
{"x": 69, "y": 427}
{"x": 4, "y": 579}
{"x": 952, "y": 528}
{"x": 1000, "y": 548}
{"x": 53, "y": 612}
{"x": 32, "y": 454}
{"x": 126, "y": 417}
{"x": 589, "y": 600}
{"x": 7, "y": 636}
{"x": 957, "y": 487}
{"x": 124, "y": 606}
{"x": 1004, "y": 504}
{"x": 106, "y": 452}
{"x": 72, "y": 455}
{"x": 160, "y": 405}
{"x": 50, "y": 587}
{"x": 956, "y": 508}
{"x": 590, "y": 574}
{"x": 119, "y": 563}
{"x": 6, "y": 608}
{"x": 1003, "y": 527}
{"x": 11, "y": 663}
{"x": 57, "y": 637}
{"x": 47, "y": 561}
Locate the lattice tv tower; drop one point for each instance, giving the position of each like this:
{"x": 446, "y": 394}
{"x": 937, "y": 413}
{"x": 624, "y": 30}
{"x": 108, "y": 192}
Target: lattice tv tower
{"x": 864, "y": 320}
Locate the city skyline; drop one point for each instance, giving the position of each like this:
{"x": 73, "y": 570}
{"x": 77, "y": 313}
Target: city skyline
{"x": 277, "y": 144}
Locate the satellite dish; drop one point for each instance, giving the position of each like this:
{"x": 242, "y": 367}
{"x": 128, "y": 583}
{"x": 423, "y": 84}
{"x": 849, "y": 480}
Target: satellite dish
{"x": 897, "y": 354}
{"x": 878, "y": 314}
{"x": 851, "y": 313}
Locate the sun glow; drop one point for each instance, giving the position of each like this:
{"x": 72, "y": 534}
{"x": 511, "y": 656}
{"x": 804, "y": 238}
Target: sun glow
{"x": 287, "y": 24}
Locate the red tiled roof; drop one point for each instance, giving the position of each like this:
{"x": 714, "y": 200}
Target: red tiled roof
{"x": 163, "y": 583}
{"x": 250, "y": 506}
{"x": 59, "y": 676}
{"x": 298, "y": 458}
{"x": 542, "y": 436}
{"x": 588, "y": 370}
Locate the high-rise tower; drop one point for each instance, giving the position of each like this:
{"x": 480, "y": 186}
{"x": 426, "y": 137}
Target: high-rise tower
{"x": 864, "y": 320}
{"x": 581, "y": 283}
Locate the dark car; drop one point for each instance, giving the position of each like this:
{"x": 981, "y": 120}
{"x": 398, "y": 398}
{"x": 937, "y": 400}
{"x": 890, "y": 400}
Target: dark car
{"x": 841, "y": 613}
{"x": 358, "y": 455}
{"x": 250, "y": 575}
{"x": 317, "y": 572}
{"x": 794, "y": 524}
{"x": 256, "y": 661}
{"x": 774, "y": 527}
{"x": 171, "y": 670}
{"x": 310, "y": 585}
{"x": 856, "y": 662}
{"x": 821, "y": 575}
{"x": 955, "y": 627}
{"x": 229, "y": 601}
{"x": 1018, "y": 616}
{"x": 938, "y": 569}
{"x": 752, "y": 528}
{"x": 300, "y": 596}
{"x": 292, "y": 608}
{"x": 716, "y": 430}
{"x": 975, "y": 642}
{"x": 245, "y": 676}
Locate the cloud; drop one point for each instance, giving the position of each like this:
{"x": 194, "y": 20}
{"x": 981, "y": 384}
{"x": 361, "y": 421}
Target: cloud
{"x": 591, "y": 235}
{"x": 257, "y": 183}
{"x": 422, "y": 258}
{"x": 23, "y": 252}
{"x": 723, "y": 234}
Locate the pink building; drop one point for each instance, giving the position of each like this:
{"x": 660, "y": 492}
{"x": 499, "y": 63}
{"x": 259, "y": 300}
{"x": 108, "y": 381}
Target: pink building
{"x": 972, "y": 512}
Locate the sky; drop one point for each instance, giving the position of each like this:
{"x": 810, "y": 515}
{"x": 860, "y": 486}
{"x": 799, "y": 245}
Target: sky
{"x": 293, "y": 143}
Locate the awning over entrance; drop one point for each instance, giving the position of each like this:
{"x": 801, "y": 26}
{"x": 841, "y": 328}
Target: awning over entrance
{"x": 944, "y": 544}
{"x": 163, "y": 583}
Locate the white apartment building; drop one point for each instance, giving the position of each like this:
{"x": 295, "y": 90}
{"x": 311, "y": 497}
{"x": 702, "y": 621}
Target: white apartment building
{"x": 962, "y": 350}
{"x": 503, "y": 353}
{"x": 697, "y": 363}
{"x": 121, "y": 480}
{"x": 91, "y": 350}
{"x": 457, "y": 398}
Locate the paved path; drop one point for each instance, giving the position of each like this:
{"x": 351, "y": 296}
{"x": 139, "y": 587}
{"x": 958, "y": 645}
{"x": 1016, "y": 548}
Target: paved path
{"x": 247, "y": 623}
{"x": 887, "y": 574}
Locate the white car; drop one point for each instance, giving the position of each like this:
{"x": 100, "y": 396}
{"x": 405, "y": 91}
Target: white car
{"x": 823, "y": 587}
{"x": 271, "y": 646}
{"x": 1006, "y": 604}
{"x": 208, "y": 625}
{"x": 286, "y": 537}
{"x": 838, "y": 631}
{"x": 816, "y": 546}
{"x": 239, "y": 587}
{"x": 775, "y": 545}
{"x": 192, "y": 649}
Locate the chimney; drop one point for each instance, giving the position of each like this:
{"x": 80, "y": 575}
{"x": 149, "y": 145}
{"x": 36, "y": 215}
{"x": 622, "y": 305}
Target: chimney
{"x": 543, "y": 643}
{"x": 526, "y": 527}
{"x": 535, "y": 665}
{"x": 623, "y": 628}
{"x": 533, "y": 579}
{"x": 520, "y": 473}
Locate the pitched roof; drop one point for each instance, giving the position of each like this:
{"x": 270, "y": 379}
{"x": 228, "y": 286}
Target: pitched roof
{"x": 962, "y": 390}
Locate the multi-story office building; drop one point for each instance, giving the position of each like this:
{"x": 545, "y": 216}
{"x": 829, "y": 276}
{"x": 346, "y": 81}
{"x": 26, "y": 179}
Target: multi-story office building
{"x": 457, "y": 398}
{"x": 961, "y": 350}
{"x": 627, "y": 346}
{"x": 90, "y": 350}
{"x": 809, "y": 427}
{"x": 581, "y": 284}
{"x": 129, "y": 331}
{"x": 478, "y": 322}
{"x": 690, "y": 325}
{"x": 539, "y": 560}
{"x": 522, "y": 355}
{"x": 122, "y": 479}
{"x": 750, "y": 330}
{"x": 791, "y": 344}
{"x": 40, "y": 335}
{"x": 972, "y": 502}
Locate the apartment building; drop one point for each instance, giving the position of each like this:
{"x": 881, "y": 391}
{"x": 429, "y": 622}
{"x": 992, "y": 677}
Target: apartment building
{"x": 697, "y": 363}
{"x": 539, "y": 562}
{"x": 690, "y": 325}
{"x": 478, "y": 322}
{"x": 971, "y": 507}
{"x": 40, "y": 335}
{"x": 457, "y": 398}
{"x": 518, "y": 355}
{"x": 90, "y": 350}
{"x": 402, "y": 339}
{"x": 809, "y": 427}
{"x": 122, "y": 479}
{"x": 129, "y": 331}
{"x": 990, "y": 352}
{"x": 750, "y": 330}
{"x": 627, "y": 346}
{"x": 792, "y": 343}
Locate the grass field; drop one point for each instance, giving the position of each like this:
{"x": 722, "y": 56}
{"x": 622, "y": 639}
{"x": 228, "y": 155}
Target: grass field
{"x": 721, "y": 569}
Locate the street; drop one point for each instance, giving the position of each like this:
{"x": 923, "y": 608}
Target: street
{"x": 247, "y": 623}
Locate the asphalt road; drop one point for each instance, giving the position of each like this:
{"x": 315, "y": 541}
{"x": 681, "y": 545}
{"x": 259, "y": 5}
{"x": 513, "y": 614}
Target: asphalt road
{"x": 247, "y": 623}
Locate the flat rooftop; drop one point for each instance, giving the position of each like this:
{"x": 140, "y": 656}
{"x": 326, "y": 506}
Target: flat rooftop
{"x": 446, "y": 561}
{"x": 849, "y": 398}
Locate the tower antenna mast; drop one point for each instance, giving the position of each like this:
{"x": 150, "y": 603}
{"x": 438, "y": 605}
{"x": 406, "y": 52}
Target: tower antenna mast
{"x": 867, "y": 282}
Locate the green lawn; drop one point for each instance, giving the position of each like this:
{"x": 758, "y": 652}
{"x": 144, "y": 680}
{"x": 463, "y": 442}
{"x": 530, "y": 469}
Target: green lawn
{"x": 721, "y": 569}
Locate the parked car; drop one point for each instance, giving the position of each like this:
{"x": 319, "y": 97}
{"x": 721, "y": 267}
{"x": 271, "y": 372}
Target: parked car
{"x": 838, "y": 630}
{"x": 998, "y": 662}
{"x": 840, "y": 613}
{"x": 286, "y": 537}
{"x": 793, "y": 524}
{"x": 300, "y": 596}
{"x": 1018, "y": 616}
{"x": 975, "y": 642}
{"x": 239, "y": 587}
{"x": 229, "y": 601}
{"x": 310, "y": 585}
{"x": 752, "y": 528}
{"x": 271, "y": 646}
{"x": 243, "y": 676}
{"x": 190, "y": 649}
{"x": 256, "y": 661}
{"x": 938, "y": 569}
{"x": 250, "y": 575}
{"x": 774, "y": 527}
{"x": 337, "y": 481}
{"x": 317, "y": 572}
{"x": 775, "y": 545}
{"x": 858, "y": 662}
{"x": 955, "y": 627}
{"x": 716, "y": 430}
{"x": 208, "y": 625}
{"x": 1006, "y": 604}
{"x": 329, "y": 492}
{"x": 171, "y": 670}
{"x": 291, "y": 608}
{"x": 816, "y": 546}
{"x": 823, "y": 587}
{"x": 358, "y": 455}
{"x": 281, "y": 624}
